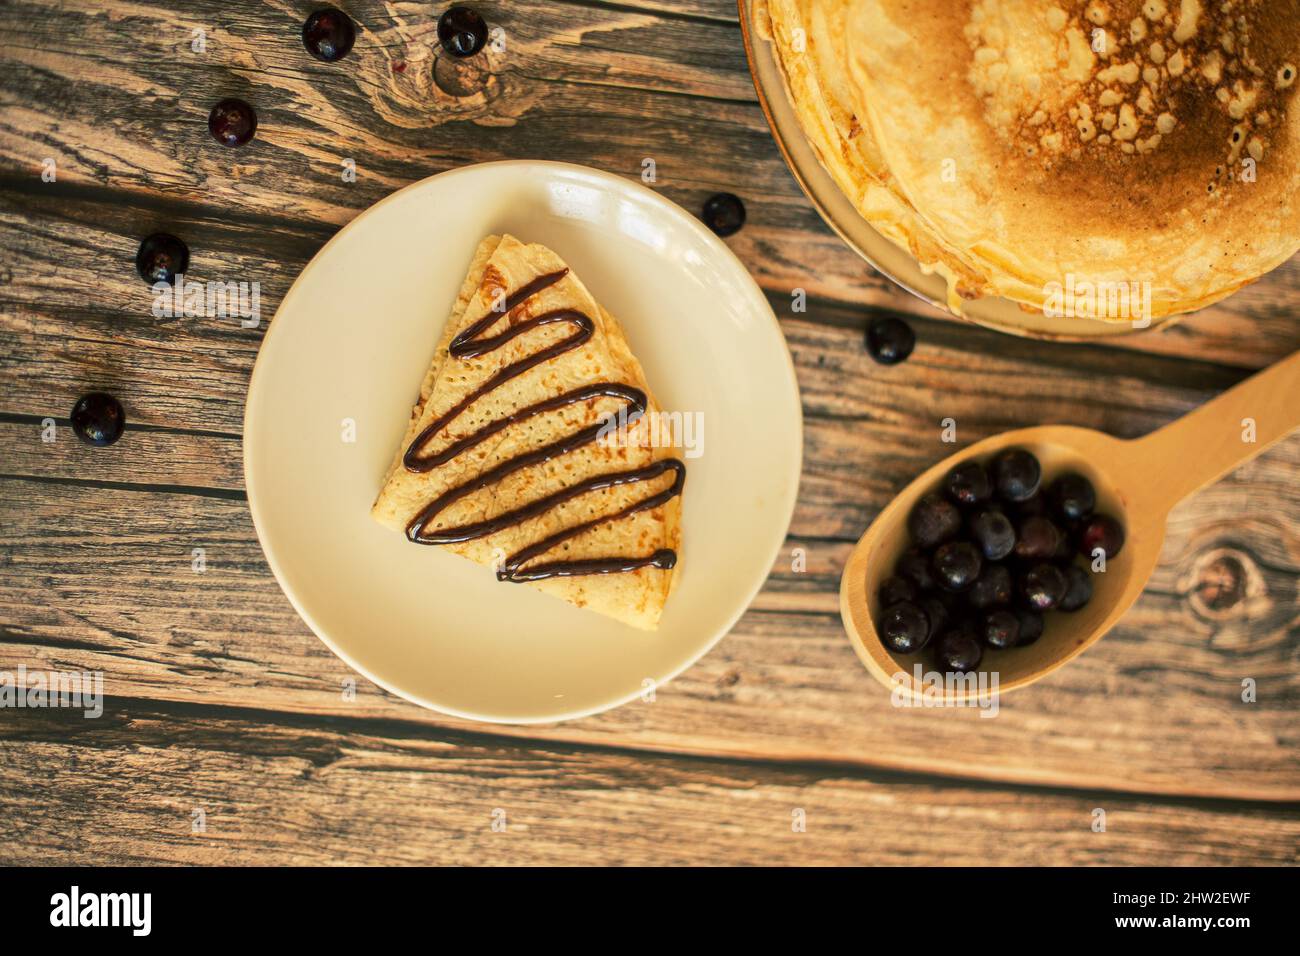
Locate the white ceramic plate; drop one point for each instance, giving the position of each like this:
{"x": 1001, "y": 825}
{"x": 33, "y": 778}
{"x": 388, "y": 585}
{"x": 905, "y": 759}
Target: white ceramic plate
{"x": 354, "y": 337}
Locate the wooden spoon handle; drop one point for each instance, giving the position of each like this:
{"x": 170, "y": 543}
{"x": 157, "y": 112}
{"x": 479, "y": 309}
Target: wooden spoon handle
{"x": 1203, "y": 446}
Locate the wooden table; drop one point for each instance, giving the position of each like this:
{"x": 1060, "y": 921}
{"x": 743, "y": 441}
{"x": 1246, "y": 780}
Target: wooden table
{"x": 225, "y": 710}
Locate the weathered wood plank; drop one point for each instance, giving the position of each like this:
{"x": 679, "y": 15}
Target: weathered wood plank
{"x": 73, "y": 315}
{"x": 866, "y": 425}
{"x": 119, "y": 594}
{"x": 131, "y": 784}
{"x": 663, "y": 88}
{"x": 154, "y": 457}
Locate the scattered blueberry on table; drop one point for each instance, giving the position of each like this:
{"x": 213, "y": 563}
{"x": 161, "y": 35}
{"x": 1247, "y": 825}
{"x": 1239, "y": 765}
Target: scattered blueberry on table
{"x": 991, "y": 552}
{"x": 329, "y": 34}
{"x": 161, "y": 257}
{"x": 98, "y": 418}
{"x": 462, "y": 31}
{"x": 232, "y": 122}
{"x": 890, "y": 340}
{"x": 724, "y": 213}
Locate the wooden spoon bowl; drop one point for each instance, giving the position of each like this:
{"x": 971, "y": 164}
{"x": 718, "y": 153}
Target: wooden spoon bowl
{"x": 1138, "y": 482}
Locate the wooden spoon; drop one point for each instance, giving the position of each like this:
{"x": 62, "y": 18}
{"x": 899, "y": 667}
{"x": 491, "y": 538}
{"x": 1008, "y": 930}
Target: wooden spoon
{"x": 1138, "y": 481}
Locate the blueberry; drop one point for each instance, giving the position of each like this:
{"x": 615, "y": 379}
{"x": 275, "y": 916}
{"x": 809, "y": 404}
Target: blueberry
{"x": 1078, "y": 589}
{"x": 957, "y": 651}
{"x": 969, "y": 484}
{"x": 328, "y": 34}
{"x": 1037, "y": 537}
{"x": 1043, "y": 586}
{"x": 1065, "y": 552}
{"x": 933, "y": 521}
{"x": 890, "y": 340}
{"x": 232, "y": 122}
{"x": 993, "y": 532}
{"x": 1072, "y": 496}
{"x": 161, "y": 257}
{"x": 1101, "y": 531}
{"x": 915, "y": 567}
{"x": 992, "y": 587}
{"x": 724, "y": 213}
{"x": 462, "y": 31}
{"x": 904, "y": 628}
{"x": 937, "y": 614}
{"x": 957, "y": 564}
{"x": 1016, "y": 474}
{"x": 1031, "y": 626}
{"x": 98, "y": 418}
{"x": 1001, "y": 630}
{"x": 895, "y": 589}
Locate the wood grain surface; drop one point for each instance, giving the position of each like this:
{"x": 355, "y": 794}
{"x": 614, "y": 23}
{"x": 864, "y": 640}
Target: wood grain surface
{"x": 221, "y": 698}
{"x": 307, "y": 792}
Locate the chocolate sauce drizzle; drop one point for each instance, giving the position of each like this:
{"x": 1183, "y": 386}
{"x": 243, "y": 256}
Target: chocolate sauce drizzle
{"x": 472, "y": 342}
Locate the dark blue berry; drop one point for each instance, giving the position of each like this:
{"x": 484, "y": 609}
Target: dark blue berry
{"x": 462, "y": 31}
{"x": 1001, "y": 630}
{"x": 957, "y": 564}
{"x": 1101, "y": 531}
{"x": 994, "y": 533}
{"x": 894, "y": 589}
{"x": 933, "y": 521}
{"x": 1072, "y": 496}
{"x": 329, "y": 34}
{"x": 160, "y": 257}
{"x": 958, "y": 651}
{"x": 969, "y": 484}
{"x": 724, "y": 213}
{"x": 232, "y": 122}
{"x": 890, "y": 340}
{"x": 1037, "y": 537}
{"x": 1031, "y": 626}
{"x": 98, "y": 418}
{"x": 904, "y": 628}
{"x": 1078, "y": 589}
{"x": 937, "y": 613}
{"x": 1043, "y": 586}
{"x": 915, "y": 567}
{"x": 992, "y": 588}
{"x": 1016, "y": 474}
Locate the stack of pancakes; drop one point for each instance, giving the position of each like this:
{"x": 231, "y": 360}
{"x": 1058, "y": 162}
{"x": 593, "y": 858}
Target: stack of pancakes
{"x": 1035, "y": 149}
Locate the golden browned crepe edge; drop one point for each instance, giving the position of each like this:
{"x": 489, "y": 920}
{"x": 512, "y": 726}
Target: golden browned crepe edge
{"x": 975, "y": 271}
{"x": 868, "y": 189}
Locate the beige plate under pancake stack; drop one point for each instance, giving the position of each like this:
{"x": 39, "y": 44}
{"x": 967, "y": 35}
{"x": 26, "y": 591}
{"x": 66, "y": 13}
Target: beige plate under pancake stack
{"x": 1003, "y": 157}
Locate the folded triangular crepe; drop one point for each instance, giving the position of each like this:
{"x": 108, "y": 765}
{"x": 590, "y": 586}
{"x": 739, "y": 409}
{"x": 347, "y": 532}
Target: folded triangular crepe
{"x": 534, "y": 447}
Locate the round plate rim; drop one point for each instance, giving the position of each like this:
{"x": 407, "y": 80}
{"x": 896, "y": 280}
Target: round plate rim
{"x": 780, "y": 530}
